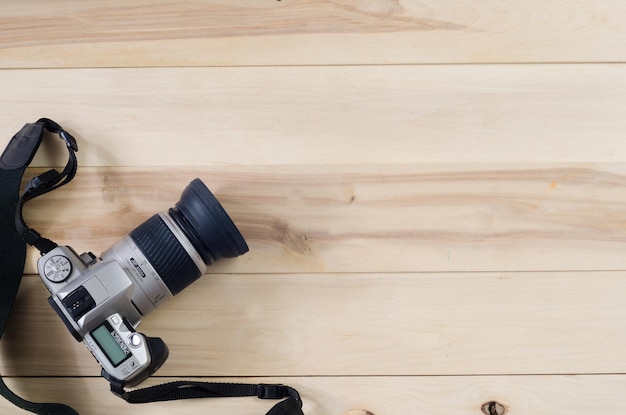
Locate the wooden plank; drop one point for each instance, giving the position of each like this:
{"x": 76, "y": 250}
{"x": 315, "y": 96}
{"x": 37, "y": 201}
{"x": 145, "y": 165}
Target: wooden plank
{"x": 167, "y": 33}
{"x": 326, "y": 115}
{"x": 521, "y": 395}
{"x": 472, "y": 217}
{"x": 427, "y": 235}
{"x": 356, "y": 325}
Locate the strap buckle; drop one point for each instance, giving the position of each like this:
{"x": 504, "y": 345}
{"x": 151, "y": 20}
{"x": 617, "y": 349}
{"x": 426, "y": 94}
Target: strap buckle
{"x": 51, "y": 177}
{"x": 69, "y": 139}
{"x": 266, "y": 391}
{"x": 277, "y": 391}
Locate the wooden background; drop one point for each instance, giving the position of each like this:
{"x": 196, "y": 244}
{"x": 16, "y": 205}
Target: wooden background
{"x": 434, "y": 195}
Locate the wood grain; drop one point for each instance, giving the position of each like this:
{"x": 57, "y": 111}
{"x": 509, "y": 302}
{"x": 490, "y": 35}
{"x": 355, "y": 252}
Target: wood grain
{"x": 406, "y": 218}
{"x": 328, "y": 115}
{"x": 522, "y": 395}
{"x": 217, "y": 33}
{"x": 357, "y": 324}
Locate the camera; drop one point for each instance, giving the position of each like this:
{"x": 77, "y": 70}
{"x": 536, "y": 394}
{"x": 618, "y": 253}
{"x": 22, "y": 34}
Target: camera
{"x": 102, "y": 299}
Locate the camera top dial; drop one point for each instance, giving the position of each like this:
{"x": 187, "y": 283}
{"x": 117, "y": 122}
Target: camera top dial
{"x": 57, "y": 268}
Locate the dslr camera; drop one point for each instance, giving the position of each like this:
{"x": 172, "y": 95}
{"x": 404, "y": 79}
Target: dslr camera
{"x": 102, "y": 299}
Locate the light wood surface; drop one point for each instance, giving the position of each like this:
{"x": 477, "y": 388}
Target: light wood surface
{"x": 541, "y": 395}
{"x": 433, "y": 192}
{"x": 392, "y": 324}
{"x": 363, "y": 115}
{"x": 303, "y": 32}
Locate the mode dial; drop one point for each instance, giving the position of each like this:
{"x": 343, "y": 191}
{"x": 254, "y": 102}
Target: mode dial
{"x": 57, "y": 268}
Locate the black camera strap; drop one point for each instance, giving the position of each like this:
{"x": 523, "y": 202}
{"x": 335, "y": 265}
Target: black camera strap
{"x": 13, "y": 162}
{"x": 44, "y": 183}
{"x": 14, "y": 234}
{"x": 193, "y": 390}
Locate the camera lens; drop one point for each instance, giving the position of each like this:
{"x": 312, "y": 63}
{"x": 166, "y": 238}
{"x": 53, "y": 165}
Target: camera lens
{"x": 172, "y": 249}
{"x": 203, "y": 222}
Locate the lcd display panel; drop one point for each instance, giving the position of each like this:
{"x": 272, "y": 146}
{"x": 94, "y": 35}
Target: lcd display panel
{"x": 111, "y": 344}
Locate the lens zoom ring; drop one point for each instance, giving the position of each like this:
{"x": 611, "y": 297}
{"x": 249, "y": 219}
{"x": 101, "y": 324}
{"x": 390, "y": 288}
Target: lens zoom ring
{"x": 166, "y": 255}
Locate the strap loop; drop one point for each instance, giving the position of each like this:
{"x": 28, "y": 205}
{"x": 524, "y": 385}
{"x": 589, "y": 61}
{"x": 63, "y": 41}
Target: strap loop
{"x": 44, "y": 183}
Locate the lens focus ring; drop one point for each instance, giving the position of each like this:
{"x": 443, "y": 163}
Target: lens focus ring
{"x": 166, "y": 254}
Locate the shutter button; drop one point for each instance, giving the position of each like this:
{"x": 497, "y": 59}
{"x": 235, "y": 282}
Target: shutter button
{"x": 134, "y": 340}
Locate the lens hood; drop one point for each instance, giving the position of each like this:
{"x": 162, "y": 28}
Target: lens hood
{"x": 207, "y": 225}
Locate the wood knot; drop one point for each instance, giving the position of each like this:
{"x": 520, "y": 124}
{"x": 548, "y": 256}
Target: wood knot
{"x": 296, "y": 241}
{"x": 493, "y": 408}
{"x": 358, "y": 412}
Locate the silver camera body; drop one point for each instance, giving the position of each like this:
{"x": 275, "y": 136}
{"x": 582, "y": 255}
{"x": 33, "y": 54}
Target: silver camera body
{"x": 95, "y": 298}
{"x": 102, "y": 299}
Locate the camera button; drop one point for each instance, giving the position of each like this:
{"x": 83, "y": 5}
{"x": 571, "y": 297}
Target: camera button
{"x": 134, "y": 340}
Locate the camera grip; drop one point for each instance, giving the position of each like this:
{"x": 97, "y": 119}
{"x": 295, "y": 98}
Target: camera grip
{"x": 158, "y": 354}
{"x": 158, "y": 351}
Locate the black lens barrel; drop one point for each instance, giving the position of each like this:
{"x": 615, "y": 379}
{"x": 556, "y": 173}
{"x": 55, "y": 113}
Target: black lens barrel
{"x": 165, "y": 253}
